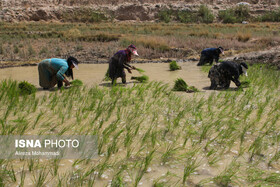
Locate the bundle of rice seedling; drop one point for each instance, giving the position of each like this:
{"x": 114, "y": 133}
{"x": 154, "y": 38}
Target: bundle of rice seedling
{"x": 25, "y": 88}
{"x": 181, "y": 85}
{"x": 143, "y": 78}
{"x": 107, "y": 78}
{"x": 140, "y": 70}
{"x": 76, "y": 82}
{"x": 245, "y": 84}
{"x": 174, "y": 66}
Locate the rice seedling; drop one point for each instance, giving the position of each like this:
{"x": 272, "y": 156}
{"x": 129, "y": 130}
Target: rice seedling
{"x": 106, "y": 77}
{"x": 76, "y": 82}
{"x": 228, "y": 176}
{"x": 26, "y": 88}
{"x": 181, "y": 85}
{"x": 189, "y": 168}
{"x": 174, "y": 66}
{"x": 140, "y": 70}
{"x": 132, "y": 122}
{"x": 142, "y": 79}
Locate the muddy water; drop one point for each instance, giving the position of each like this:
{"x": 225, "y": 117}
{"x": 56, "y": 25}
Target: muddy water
{"x": 92, "y": 74}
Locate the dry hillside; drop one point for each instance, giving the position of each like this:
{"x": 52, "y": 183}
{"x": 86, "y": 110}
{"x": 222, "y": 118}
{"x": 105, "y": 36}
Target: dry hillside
{"x": 141, "y": 10}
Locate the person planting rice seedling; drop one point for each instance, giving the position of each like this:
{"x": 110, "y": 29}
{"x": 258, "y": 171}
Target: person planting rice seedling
{"x": 52, "y": 71}
{"x": 119, "y": 62}
{"x": 209, "y": 55}
{"x": 225, "y": 72}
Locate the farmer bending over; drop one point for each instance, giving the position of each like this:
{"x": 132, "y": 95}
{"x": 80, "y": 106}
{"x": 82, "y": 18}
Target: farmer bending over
{"x": 119, "y": 62}
{"x": 210, "y": 54}
{"x": 51, "y": 71}
{"x": 222, "y": 73}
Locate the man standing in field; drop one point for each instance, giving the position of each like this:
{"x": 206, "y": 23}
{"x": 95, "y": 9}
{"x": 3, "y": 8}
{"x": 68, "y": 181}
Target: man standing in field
{"x": 223, "y": 73}
{"x": 210, "y": 54}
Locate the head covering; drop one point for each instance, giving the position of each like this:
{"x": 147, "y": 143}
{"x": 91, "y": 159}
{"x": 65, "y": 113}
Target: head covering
{"x": 131, "y": 48}
{"x": 221, "y": 49}
{"x": 244, "y": 67}
{"x": 73, "y": 60}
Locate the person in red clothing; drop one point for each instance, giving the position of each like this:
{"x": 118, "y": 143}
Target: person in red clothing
{"x": 120, "y": 61}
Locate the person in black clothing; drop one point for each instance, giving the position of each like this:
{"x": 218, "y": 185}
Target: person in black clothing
{"x": 210, "y": 54}
{"x": 223, "y": 73}
{"x": 119, "y": 62}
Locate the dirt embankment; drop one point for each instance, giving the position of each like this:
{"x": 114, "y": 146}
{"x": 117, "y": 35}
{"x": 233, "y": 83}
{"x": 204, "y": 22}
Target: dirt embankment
{"x": 269, "y": 56}
{"x": 138, "y": 10}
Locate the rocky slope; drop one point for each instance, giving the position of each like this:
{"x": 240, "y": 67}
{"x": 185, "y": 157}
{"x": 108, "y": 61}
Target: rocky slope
{"x": 139, "y": 10}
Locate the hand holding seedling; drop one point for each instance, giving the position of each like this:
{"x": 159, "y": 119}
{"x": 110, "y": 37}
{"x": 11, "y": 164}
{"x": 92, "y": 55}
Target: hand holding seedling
{"x": 67, "y": 83}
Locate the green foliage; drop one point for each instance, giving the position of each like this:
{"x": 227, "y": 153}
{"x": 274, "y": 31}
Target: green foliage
{"x": 31, "y": 51}
{"x": 83, "y": 15}
{"x": 181, "y": 85}
{"x": 1, "y": 49}
{"x": 227, "y": 16}
{"x": 272, "y": 16}
{"x": 235, "y": 15}
{"x": 106, "y": 77}
{"x": 205, "y": 15}
{"x": 245, "y": 84}
{"x": 174, "y": 66}
{"x": 186, "y": 16}
{"x": 140, "y": 70}
{"x": 76, "y": 82}
{"x": 165, "y": 15}
{"x": 25, "y": 88}
{"x": 143, "y": 78}
{"x": 16, "y": 49}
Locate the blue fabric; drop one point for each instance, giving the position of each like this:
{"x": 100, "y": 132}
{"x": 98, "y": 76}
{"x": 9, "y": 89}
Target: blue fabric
{"x": 208, "y": 51}
{"x": 59, "y": 65}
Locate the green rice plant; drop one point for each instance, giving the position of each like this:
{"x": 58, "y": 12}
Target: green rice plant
{"x": 40, "y": 178}
{"x": 25, "y": 88}
{"x": 228, "y": 176}
{"x": 190, "y": 168}
{"x": 181, "y": 85}
{"x": 257, "y": 147}
{"x": 174, "y": 66}
{"x": 142, "y": 79}
{"x": 76, "y": 82}
{"x": 262, "y": 177}
{"x": 22, "y": 177}
{"x": 144, "y": 166}
{"x": 106, "y": 77}
{"x": 140, "y": 70}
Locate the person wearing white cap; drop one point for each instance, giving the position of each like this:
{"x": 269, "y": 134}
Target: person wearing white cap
{"x": 119, "y": 62}
{"x": 225, "y": 72}
{"x": 52, "y": 71}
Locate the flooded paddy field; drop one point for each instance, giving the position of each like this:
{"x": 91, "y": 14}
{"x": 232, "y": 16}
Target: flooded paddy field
{"x": 147, "y": 134}
{"x": 93, "y": 74}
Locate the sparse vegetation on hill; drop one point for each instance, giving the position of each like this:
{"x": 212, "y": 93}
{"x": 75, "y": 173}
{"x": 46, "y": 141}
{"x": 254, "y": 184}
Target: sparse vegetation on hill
{"x": 235, "y": 15}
